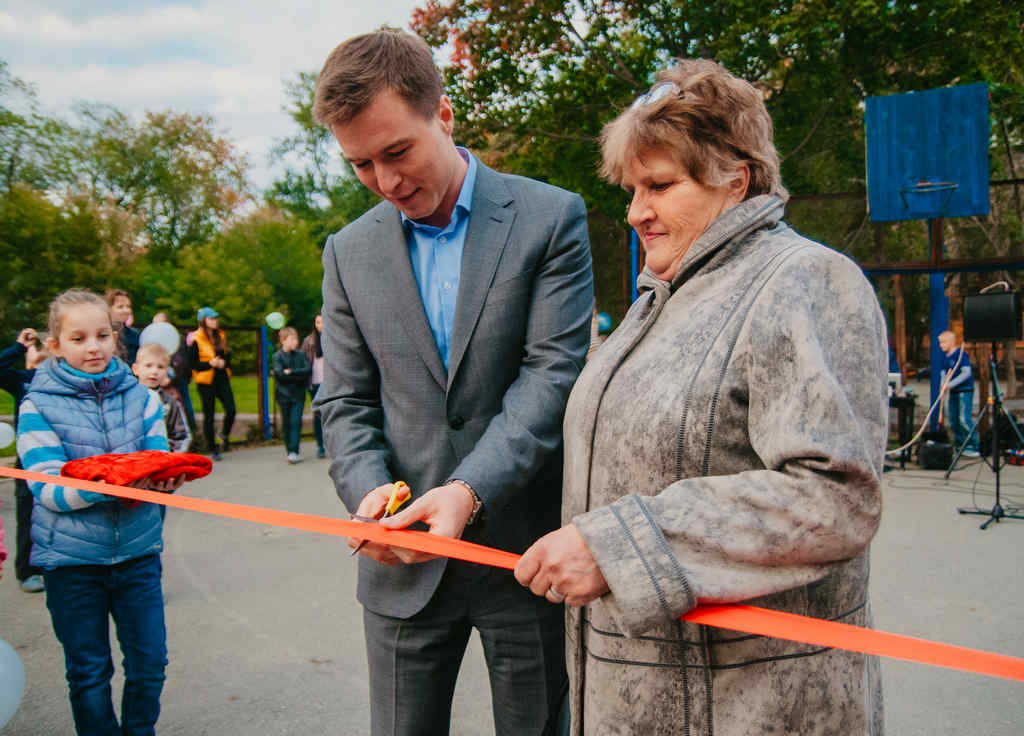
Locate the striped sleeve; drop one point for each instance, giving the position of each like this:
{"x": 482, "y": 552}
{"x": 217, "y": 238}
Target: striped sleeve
{"x": 41, "y": 451}
{"x": 154, "y": 432}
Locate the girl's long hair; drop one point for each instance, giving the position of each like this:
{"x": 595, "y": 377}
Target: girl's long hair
{"x": 216, "y": 339}
{"x": 315, "y": 334}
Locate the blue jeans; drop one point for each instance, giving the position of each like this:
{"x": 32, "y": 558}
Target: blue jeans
{"x": 291, "y": 419}
{"x": 81, "y": 599}
{"x": 961, "y": 405}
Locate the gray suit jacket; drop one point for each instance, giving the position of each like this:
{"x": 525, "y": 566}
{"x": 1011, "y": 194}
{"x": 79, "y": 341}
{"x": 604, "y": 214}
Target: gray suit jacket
{"x": 390, "y": 411}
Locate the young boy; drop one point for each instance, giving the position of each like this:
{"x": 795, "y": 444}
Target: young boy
{"x": 291, "y": 374}
{"x": 150, "y": 368}
{"x": 15, "y": 381}
{"x": 961, "y": 393}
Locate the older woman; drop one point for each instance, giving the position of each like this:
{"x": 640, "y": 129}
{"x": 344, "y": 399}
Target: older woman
{"x": 725, "y": 444}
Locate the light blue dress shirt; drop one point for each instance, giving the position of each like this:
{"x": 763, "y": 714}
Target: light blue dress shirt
{"x": 436, "y": 256}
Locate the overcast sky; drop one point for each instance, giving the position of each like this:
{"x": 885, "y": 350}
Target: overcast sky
{"x": 227, "y": 59}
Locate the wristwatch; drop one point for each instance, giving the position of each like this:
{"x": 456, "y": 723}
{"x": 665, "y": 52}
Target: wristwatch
{"x": 478, "y": 505}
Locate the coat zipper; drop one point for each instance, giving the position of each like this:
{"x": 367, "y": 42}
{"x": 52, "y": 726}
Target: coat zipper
{"x": 106, "y": 441}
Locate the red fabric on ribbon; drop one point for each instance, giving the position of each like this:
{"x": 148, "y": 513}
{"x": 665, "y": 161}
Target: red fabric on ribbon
{"x": 126, "y": 468}
{"x": 743, "y": 618}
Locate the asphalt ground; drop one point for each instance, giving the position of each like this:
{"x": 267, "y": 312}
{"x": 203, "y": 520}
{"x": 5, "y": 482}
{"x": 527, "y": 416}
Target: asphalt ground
{"x": 265, "y": 635}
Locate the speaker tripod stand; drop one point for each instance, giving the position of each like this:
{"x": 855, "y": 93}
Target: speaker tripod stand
{"x": 995, "y": 406}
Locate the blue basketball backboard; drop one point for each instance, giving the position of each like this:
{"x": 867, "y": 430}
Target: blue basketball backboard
{"x": 927, "y": 153}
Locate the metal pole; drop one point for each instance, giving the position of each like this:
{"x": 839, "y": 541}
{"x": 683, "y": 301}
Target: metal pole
{"x": 265, "y": 382}
{"x": 938, "y": 312}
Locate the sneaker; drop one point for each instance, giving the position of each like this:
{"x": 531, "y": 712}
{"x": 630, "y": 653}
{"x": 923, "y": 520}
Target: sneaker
{"x": 217, "y": 455}
{"x": 321, "y": 453}
{"x": 294, "y": 457}
{"x": 971, "y": 453}
{"x": 33, "y": 584}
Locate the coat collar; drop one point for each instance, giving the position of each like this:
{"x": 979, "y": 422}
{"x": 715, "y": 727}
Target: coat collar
{"x": 734, "y": 224}
{"x": 487, "y": 232}
{"x": 54, "y": 378}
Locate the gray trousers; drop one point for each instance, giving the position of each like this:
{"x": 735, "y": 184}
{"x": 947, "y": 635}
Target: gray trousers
{"x": 415, "y": 662}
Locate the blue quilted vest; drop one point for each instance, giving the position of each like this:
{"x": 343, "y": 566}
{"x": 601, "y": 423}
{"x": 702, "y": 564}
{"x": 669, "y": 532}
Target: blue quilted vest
{"x": 93, "y": 417}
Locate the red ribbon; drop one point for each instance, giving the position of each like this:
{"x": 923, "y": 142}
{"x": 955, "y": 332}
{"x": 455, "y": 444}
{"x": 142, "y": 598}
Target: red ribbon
{"x": 748, "y": 619}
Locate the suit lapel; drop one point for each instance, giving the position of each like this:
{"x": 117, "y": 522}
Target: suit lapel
{"x": 407, "y": 302}
{"x": 490, "y": 222}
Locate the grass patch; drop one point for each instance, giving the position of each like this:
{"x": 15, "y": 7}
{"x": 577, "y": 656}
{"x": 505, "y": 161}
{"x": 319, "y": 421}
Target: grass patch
{"x": 246, "y": 391}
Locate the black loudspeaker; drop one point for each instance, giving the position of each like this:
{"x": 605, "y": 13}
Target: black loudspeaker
{"x": 992, "y": 317}
{"x": 935, "y": 451}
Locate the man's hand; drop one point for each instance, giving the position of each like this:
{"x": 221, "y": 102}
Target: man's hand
{"x": 560, "y": 567}
{"x": 372, "y": 507}
{"x": 27, "y": 337}
{"x": 445, "y": 509}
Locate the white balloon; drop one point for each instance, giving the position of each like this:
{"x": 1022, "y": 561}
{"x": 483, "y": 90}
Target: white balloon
{"x": 275, "y": 320}
{"x": 7, "y": 434}
{"x": 12, "y": 682}
{"x": 163, "y": 333}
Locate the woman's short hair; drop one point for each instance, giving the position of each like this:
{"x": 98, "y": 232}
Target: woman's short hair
{"x": 709, "y": 120}
{"x": 359, "y": 69}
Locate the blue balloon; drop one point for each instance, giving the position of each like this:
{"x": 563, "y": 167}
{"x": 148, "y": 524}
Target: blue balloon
{"x": 604, "y": 322}
{"x": 12, "y": 682}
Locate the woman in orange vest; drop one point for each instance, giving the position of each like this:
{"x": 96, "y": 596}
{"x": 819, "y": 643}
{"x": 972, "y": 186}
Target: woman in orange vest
{"x": 210, "y": 360}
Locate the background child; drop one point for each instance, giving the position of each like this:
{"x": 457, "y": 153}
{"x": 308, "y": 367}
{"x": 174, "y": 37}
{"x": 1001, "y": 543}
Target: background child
{"x": 150, "y": 368}
{"x": 291, "y": 374}
{"x": 100, "y": 557}
{"x": 15, "y": 381}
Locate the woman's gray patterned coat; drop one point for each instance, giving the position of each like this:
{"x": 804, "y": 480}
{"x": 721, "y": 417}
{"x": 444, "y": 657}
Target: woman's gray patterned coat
{"x": 726, "y": 444}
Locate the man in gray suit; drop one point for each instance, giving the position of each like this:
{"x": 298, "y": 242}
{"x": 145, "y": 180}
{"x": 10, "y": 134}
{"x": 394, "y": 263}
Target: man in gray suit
{"x": 456, "y": 317}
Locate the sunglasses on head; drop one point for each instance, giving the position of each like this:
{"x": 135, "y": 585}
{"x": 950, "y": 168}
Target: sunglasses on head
{"x": 655, "y": 93}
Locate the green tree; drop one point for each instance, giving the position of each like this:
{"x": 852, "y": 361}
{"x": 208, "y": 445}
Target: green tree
{"x": 46, "y": 247}
{"x": 274, "y": 265}
{"x": 171, "y": 170}
{"x": 318, "y": 186}
{"x": 532, "y": 83}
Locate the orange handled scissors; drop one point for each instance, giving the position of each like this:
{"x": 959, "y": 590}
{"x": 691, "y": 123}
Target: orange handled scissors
{"x": 400, "y": 493}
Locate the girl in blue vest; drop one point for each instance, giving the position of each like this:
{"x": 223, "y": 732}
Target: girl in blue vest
{"x": 100, "y": 557}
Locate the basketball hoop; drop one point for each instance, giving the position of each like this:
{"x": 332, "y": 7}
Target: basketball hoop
{"x": 932, "y": 196}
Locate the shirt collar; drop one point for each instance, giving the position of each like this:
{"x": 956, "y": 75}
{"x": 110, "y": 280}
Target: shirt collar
{"x": 465, "y": 200}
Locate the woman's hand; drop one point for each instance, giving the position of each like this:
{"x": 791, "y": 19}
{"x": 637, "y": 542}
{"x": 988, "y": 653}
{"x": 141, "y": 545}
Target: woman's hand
{"x": 560, "y": 567}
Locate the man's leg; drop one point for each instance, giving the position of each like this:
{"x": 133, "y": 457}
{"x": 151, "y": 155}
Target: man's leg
{"x": 414, "y": 664}
{"x": 523, "y": 637}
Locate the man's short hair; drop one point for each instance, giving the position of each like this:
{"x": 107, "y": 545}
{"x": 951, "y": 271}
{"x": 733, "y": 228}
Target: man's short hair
{"x": 152, "y": 351}
{"x": 362, "y": 67}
